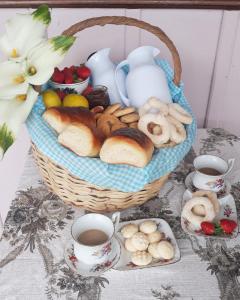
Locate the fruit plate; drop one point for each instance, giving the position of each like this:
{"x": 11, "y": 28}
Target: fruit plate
{"x": 227, "y": 211}
{"x": 125, "y": 263}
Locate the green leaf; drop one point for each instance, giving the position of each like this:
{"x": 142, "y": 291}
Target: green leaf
{"x": 6, "y": 137}
{"x": 42, "y": 14}
{"x": 62, "y": 42}
{"x": 218, "y": 229}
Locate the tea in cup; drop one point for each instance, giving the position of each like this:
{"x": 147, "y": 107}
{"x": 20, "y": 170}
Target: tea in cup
{"x": 92, "y": 237}
{"x": 210, "y": 172}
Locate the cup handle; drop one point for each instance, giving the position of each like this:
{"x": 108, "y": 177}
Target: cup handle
{"x": 230, "y": 165}
{"x": 116, "y": 219}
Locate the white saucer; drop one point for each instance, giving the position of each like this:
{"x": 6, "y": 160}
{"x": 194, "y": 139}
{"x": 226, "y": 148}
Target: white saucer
{"x": 189, "y": 185}
{"x": 125, "y": 264}
{"x": 90, "y": 270}
{"x": 227, "y": 211}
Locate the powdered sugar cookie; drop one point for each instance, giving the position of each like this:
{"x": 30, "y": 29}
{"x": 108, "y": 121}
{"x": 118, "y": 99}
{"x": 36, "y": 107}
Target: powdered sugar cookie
{"x": 141, "y": 258}
{"x": 155, "y": 236}
{"x": 153, "y": 250}
{"x": 148, "y": 227}
{"x": 128, "y": 230}
{"x": 129, "y": 246}
{"x": 140, "y": 241}
{"x": 165, "y": 250}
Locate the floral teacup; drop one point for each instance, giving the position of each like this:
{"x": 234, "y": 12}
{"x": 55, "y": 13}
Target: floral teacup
{"x": 98, "y": 253}
{"x": 202, "y": 177}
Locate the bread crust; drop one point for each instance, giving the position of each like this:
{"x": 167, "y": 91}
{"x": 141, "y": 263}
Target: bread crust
{"x": 68, "y": 115}
{"x": 133, "y": 135}
{"x": 134, "y": 139}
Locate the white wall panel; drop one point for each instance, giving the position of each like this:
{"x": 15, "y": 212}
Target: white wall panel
{"x": 195, "y": 34}
{"x": 224, "y": 103}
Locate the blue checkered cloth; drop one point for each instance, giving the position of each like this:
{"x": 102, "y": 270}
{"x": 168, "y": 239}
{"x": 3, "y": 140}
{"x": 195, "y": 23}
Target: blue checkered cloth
{"x": 120, "y": 177}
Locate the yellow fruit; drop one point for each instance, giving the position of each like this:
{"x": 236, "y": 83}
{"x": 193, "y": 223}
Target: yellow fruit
{"x": 51, "y": 98}
{"x": 74, "y": 100}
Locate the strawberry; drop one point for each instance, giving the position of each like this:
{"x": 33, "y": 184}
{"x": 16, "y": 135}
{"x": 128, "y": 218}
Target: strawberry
{"x": 57, "y": 76}
{"x": 208, "y": 228}
{"x": 228, "y": 225}
{"x": 67, "y": 72}
{"x": 72, "y": 69}
{"x": 87, "y": 90}
{"x": 56, "y": 69}
{"x": 69, "y": 79}
{"x": 83, "y": 72}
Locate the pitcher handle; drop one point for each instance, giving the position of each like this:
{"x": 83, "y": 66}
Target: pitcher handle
{"x": 124, "y": 99}
{"x": 116, "y": 219}
{"x": 230, "y": 165}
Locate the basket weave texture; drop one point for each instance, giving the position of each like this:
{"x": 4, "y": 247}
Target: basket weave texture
{"x": 125, "y": 186}
{"x": 86, "y": 195}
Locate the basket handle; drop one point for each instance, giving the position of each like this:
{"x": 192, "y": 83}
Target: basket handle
{"x": 117, "y": 20}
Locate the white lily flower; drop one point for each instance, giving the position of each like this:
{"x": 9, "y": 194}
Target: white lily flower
{"x": 36, "y": 69}
{"x": 14, "y": 112}
{"x": 23, "y": 32}
{"x": 12, "y": 80}
{"x": 43, "y": 58}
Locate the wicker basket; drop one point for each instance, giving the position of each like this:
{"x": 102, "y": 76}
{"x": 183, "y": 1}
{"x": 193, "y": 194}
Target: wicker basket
{"x": 82, "y": 193}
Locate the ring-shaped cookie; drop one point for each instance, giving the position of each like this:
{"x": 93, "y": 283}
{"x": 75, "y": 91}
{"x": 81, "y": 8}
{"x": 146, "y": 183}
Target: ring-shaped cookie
{"x": 179, "y": 113}
{"x": 159, "y": 119}
{"x": 153, "y": 105}
{"x": 177, "y": 130}
{"x": 211, "y": 196}
{"x": 196, "y": 220}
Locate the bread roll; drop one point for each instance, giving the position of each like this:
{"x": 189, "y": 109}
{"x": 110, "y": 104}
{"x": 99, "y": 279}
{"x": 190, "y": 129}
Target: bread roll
{"x": 127, "y": 146}
{"x": 81, "y": 139}
{"x": 60, "y": 117}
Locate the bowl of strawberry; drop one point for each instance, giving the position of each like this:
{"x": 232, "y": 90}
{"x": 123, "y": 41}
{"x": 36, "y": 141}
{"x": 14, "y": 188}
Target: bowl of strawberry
{"x": 75, "y": 78}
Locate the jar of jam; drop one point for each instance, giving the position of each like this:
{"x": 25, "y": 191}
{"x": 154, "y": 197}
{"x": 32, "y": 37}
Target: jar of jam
{"x": 98, "y": 96}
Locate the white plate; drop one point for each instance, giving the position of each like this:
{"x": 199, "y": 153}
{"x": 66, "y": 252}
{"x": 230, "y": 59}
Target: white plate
{"x": 125, "y": 263}
{"x": 227, "y": 211}
{"x": 84, "y": 269}
{"x": 189, "y": 185}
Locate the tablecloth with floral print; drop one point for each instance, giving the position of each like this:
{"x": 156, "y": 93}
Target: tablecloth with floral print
{"x": 37, "y": 229}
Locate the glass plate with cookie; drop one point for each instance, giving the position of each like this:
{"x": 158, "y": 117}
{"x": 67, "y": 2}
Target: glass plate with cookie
{"x": 146, "y": 243}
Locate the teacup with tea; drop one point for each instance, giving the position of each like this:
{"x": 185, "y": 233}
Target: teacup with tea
{"x": 210, "y": 172}
{"x": 92, "y": 237}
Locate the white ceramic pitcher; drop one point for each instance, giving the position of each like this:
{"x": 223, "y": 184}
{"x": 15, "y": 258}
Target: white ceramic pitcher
{"x": 103, "y": 71}
{"x": 145, "y": 78}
